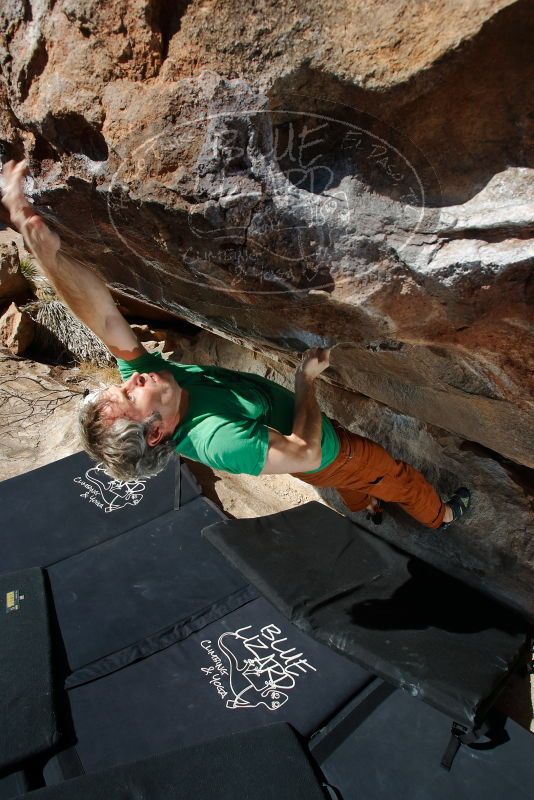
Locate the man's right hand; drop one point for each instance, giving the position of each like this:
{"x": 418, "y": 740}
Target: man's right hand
{"x": 42, "y": 241}
{"x": 12, "y": 185}
{"x": 315, "y": 361}
{"x": 82, "y": 290}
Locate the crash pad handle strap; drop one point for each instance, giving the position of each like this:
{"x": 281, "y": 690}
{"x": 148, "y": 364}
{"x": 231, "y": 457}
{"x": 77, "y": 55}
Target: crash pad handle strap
{"x": 326, "y": 741}
{"x": 459, "y": 735}
{"x": 70, "y": 763}
{"x": 455, "y": 740}
{"x": 492, "y": 730}
{"x": 331, "y": 792}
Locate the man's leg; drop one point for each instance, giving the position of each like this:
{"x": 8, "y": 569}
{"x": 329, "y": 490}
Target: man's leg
{"x": 376, "y": 473}
{"x": 363, "y": 470}
{"x": 354, "y": 499}
{"x": 407, "y": 487}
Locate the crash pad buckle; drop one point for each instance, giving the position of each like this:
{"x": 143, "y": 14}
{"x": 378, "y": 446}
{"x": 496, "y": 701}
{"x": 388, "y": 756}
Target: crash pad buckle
{"x": 459, "y": 735}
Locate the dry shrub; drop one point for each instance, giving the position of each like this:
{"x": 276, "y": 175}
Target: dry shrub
{"x": 62, "y": 337}
{"x": 104, "y": 375}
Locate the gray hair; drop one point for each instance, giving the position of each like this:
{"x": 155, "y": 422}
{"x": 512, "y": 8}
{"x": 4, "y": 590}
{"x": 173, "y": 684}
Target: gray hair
{"x": 121, "y": 445}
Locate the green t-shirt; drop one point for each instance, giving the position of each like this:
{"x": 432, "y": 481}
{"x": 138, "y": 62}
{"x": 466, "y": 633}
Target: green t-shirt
{"x": 226, "y": 422}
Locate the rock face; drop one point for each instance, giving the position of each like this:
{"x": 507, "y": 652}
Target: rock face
{"x": 286, "y": 175}
{"x": 12, "y": 281}
{"x": 16, "y": 330}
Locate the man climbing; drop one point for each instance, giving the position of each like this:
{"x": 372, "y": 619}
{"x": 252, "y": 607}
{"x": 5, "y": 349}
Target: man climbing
{"x": 232, "y": 421}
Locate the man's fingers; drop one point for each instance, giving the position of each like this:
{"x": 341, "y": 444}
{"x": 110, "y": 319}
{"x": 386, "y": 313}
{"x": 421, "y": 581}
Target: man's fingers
{"x": 8, "y": 168}
{"x": 19, "y": 171}
{"x": 320, "y": 353}
{"x": 12, "y": 171}
{"x": 315, "y": 361}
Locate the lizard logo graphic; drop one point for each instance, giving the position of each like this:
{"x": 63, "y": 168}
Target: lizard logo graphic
{"x": 108, "y": 493}
{"x": 261, "y": 671}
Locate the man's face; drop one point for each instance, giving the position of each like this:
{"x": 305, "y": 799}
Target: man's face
{"x": 142, "y": 395}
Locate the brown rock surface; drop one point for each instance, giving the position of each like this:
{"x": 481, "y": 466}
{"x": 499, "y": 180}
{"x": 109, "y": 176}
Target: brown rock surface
{"x": 16, "y": 330}
{"x": 12, "y": 281}
{"x": 286, "y": 175}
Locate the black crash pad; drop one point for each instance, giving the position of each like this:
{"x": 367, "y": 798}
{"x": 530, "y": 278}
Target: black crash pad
{"x": 56, "y": 511}
{"x": 428, "y": 633}
{"x": 264, "y": 764}
{"x": 27, "y": 689}
{"x": 384, "y": 745}
{"x": 160, "y": 578}
{"x": 12, "y": 785}
{"x": 249, "y": 668}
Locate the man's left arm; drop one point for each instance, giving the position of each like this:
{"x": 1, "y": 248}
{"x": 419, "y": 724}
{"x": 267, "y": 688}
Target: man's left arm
{"x": 83, "y": 291}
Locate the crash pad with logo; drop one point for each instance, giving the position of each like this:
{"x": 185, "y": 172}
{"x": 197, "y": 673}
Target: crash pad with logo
{"x": 56, "y": 511}
{"x": 421, "y": 629}
{"x": 247, "y": 669}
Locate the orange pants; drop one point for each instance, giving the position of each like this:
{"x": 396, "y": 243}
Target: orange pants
{"x": 363, "y": 469}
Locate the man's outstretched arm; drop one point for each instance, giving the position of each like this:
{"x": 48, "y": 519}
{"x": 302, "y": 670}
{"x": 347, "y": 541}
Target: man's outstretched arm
{"x": 83, "y": 291}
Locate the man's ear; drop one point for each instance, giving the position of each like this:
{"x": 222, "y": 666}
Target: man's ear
{"x": 156, "y": 433}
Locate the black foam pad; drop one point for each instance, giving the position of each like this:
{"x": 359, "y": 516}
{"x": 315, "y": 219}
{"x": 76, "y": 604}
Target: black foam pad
{"x": 392, "y": 749}
{"x": 56, "y": 511}
{"x": 402, "y": 619}
{"x": 158, "y": 576}
{"x": 263, "y": 764}
{"x": 14, "y": 784}
{"x": 248, "y": 668}
{"x": 27, "y": 692}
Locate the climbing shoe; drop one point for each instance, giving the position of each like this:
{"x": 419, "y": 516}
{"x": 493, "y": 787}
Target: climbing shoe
{"x": 376, "y": 516}
{"x": 459, "y": 504}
